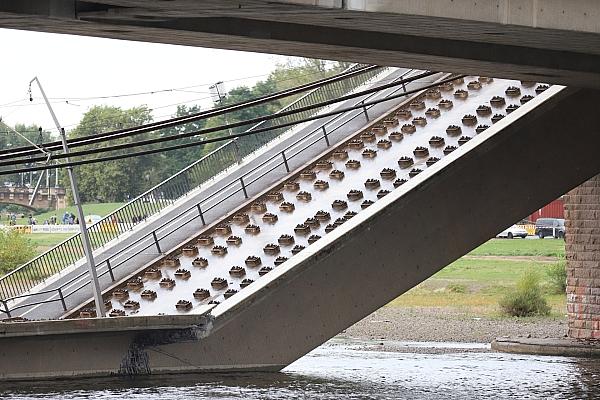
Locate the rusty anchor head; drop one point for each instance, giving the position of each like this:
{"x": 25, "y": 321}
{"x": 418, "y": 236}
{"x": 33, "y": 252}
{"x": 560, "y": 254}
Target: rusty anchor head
{"x": 200, "y": 262}
{"x": 237, "y": 271}
{"x": 485, "y": 79}
{"x": 436, "y": 141}
{"x": 286, "y": 240}
{"x": 382, "y": 193}
{"x": 417, "y": 105}
{"x": 469, "y": 120}
{"x": 433, "y": 112}
{"x": 246, "y": 282}
{"x": 243, "y": 218}
{"x": 354, "y": 195}
{"x": 396, "y": 136}
{"x": 403, "y": 114}
{"x": 511, "y": 108}
{"x": 229, "y": 292}
{"x": 384, "y": 144}
{"x": 273, "y": 196}
{"x": 264, "y": 270}
{"x": 541, "y": 89}
{"x": 463, "y": 139}
{"x": 372, "y": 183}
{"x": 369, "y": 153}
{"x": 474, "y": 85}
{"x": 219, "y": 283}
{"x": 405, "y": 162}
{"x": 388, "y": 173}
{"x": 287, "y": 206}
{"x": 323, "y": 165}
{"x": 297, "y": 249}
{"x": 87, "y": 313}
{"x": 390, "y": 122}
{"x": 308, "y": 175}
{"x": 223, "y": 229}
{"x": 167, "y": 283}
{"x": 414, "y": 172}
{"x": 446, "y": 86}
{"x": 459, "y": 81}
{"x": 352, "y": 164}
{"x": 219, "y": 250}
{"x": 453, "y": 130}
{"x": 330, "y": 227}
{"x": 253, "y": 261}
{"x": 366, "y": 204}
{"x": 183, "y": 305}
{"x": 421, "y": 151}
{"x": 313, "y": 238}
{"x": 322, "y": 216}
{"x": 484, "y": 110}
{"x": 270, "y": 218}
{"x": 292, "y": 186}
{"x": 304, "y": 196}
{"x": 313, "y": 223}
{"x": 497, "y": 101}
{"x": 526, "y": 98}
{"x": 131, "y": 305}
{"x": 120, "y": 294}
{"x": 512, "y": 91}
{"x": 115, "y": 312}
{"x": 431, "y": 161}
{"x": 461, "y": 94}
{"x": 201, "y": 294}
{"x": 368, "y": 137}
{"x": 350, "y": 214}
{"x": 171, "y": 261}
{"x": 214, "y": 302}
{"x": 339, "y": 205}
{"x": 183, "y": 273}
{"x": 380, "y": 129}
{"x": 252, "y": 229}
{"x": 271, "y": 249}
{"x": 419, "y": 121}
{"x": 399, "y": 182}
{"x": 355, "y": 144}
{"x": 407, "y": 128}
{"x": 148, "y": 295}
{"x": 189, "y": 251}
{"x": 206, "y": 241}
{"x": 336, "y": 174}
{"x": 280, "y": 260}
{"x": 433, "y": 94}
{"x": 135, "y": 283}
{"x": 153, "y": 273}
{"x": 339, "y": 221}
{"x": 481, "y": 128}
{"x": 497, "y": 117}
{"x": 449, "y": 149}
{"x": 234, "y": 240}
{"x": 445, "y": 104}
{"x": 340, "y": 155}
{"x": 302, "y": 229}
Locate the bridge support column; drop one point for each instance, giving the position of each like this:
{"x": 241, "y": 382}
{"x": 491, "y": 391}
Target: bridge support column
{"x": 582, "y": 209}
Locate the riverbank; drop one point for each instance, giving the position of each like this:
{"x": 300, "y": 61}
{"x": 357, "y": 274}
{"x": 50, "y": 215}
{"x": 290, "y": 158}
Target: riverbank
{"x": 447, "y": 324}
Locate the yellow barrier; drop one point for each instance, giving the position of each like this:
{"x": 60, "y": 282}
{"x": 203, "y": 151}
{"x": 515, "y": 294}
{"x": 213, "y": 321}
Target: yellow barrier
{"x": 530, "y": 228}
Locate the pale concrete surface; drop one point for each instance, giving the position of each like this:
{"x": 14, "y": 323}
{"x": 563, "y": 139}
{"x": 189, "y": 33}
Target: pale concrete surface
{"x": 556, "y": 41}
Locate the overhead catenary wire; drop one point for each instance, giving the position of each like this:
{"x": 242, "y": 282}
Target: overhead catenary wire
{"x": 100, "y": 137}
{"x": 222, "y": 127}
{"x": 229, "y": 137}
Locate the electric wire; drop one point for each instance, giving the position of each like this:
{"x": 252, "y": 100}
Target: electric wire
{"x": 237, "y": 135}
{"x": 218, "y": 128}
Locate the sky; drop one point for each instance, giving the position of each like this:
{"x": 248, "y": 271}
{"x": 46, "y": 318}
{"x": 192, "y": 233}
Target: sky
{"x": 76, "y": 72}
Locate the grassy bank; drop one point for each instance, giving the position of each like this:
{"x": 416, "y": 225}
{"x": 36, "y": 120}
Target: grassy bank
{"x": 101, "y": 209}
{"x": 474, "y": 284}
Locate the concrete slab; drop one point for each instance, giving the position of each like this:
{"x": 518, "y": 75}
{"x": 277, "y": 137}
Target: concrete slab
{"x": 548, "y": 347}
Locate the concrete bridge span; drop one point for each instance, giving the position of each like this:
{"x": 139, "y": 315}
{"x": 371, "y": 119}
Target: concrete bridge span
{"x": 355, "y": 268}
{"x": 554, "y": 41}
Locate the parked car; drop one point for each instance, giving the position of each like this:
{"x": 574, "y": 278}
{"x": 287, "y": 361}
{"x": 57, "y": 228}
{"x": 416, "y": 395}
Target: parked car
{"x": 545, "y": 227}
{"x": 512, "y": 232}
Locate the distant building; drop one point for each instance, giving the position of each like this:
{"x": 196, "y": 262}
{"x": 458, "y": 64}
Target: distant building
{"x": 555, "y": 209}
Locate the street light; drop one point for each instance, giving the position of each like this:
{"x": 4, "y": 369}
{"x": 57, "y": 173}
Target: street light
{"x": 218, "y": 93}
{"x": 87, "y": 247}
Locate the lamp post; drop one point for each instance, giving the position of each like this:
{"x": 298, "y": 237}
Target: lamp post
{"x": 87, "y": 247}
{"x": 218, "y": 93}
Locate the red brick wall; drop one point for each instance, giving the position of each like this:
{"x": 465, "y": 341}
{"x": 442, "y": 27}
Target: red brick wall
{"x": 582, "y": 213}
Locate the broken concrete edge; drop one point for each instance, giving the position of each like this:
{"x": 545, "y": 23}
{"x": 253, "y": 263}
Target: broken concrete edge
{"x": 199, "y": 322}
{"x": 563, "y": 347}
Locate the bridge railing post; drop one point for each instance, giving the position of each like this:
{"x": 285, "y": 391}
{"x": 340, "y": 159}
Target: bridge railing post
{"x": 62, "y": 299}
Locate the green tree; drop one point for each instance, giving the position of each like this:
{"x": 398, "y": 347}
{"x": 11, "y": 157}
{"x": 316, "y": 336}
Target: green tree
{"x": 15, "y": 250}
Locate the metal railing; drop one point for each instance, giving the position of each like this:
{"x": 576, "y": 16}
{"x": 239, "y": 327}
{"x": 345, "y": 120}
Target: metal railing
{"x": 199, "y": 210}
{"x": 169, "y": 191}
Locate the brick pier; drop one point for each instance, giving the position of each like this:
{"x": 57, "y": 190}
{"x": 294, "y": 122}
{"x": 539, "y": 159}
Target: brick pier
{"x": 582, "y": 210}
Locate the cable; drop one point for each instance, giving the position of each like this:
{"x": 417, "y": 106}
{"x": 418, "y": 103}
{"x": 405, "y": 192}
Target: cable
{"x": 91, "y": 139}
{"x": 243, "y": 134}
{"x": 218, "y": 128}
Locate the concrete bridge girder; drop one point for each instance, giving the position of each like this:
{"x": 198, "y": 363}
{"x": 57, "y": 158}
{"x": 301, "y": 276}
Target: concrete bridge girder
{"x": 424, "y": 34}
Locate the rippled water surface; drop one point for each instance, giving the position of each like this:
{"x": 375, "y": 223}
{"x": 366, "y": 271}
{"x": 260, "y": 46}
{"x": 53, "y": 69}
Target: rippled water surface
{"x": 341, "y": 369}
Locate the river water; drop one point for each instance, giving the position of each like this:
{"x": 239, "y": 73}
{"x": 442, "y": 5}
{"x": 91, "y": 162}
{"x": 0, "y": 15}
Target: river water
{"x": 342, "y": 369}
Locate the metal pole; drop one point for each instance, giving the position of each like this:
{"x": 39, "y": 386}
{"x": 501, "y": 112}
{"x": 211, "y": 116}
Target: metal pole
{"x": 87, "y": 247}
